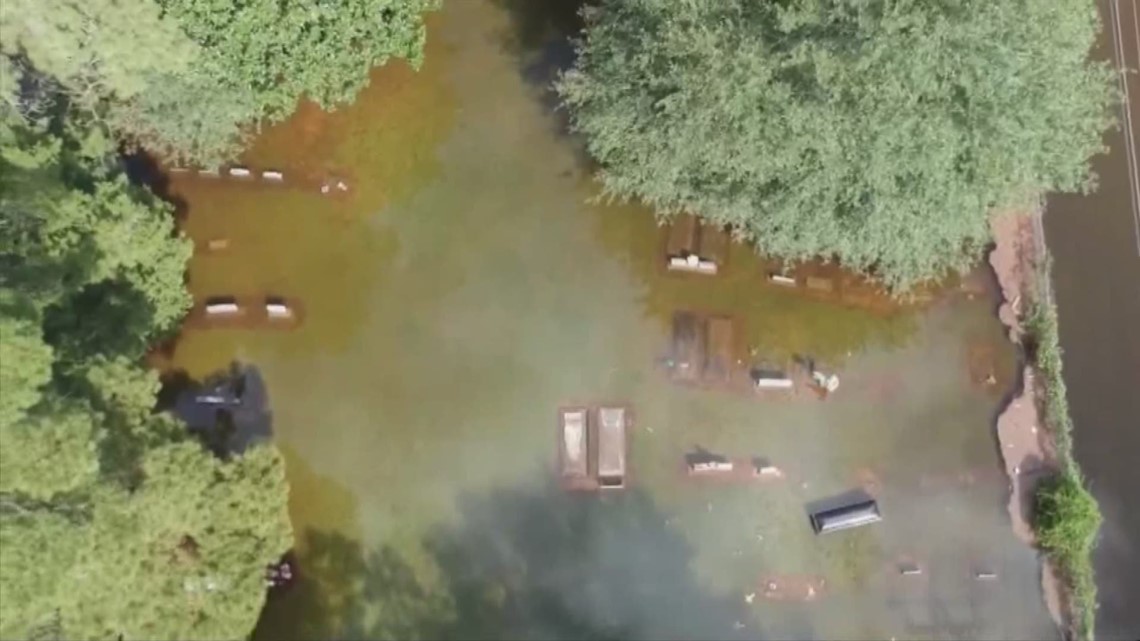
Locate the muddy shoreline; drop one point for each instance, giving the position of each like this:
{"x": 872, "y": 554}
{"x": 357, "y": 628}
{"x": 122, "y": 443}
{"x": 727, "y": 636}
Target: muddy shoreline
{"x": 1027, "y": 449}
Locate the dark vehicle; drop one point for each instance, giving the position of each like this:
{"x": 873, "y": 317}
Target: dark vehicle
{"x": 847, "y": 516}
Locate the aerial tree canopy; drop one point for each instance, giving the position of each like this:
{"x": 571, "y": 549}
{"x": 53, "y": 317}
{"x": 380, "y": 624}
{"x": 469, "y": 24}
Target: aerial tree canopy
{"x": 190, "y": 79}
{"x": 95, "y": 48}
{"x": 181, "y": 556}
{"x": 878, "y": 132}
{"x": 282, "y": 49}
{"x": 258, "y": 58}
{"x": 114, "y": 522}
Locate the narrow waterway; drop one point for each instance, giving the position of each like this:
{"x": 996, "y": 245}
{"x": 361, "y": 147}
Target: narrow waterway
{"x": 465, "y": 287}
{"x": 1095, "y": 241}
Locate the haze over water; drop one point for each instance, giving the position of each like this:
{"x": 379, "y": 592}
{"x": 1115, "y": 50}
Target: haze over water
{"x": 467, "y": 289}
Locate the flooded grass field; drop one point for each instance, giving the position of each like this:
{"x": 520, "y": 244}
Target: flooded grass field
{"x": 465, "y": 288}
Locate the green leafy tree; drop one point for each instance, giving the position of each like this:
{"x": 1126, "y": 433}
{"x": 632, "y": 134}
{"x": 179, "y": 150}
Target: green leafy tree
{"x": 181, "y": 556}
{"x": 51, "y": 453}
{"x": 114, "y": 523}
{"x": 79, "y": 239}
{"x": 95, "y": 48}
{"x": 257, "y": 59}
{"x": 189, "y": 78}
{"x": 25, "y": 367}
{"x": 284, "y": 49}
{"x": 189, "y": 116}
{"x": 878, "y": 132}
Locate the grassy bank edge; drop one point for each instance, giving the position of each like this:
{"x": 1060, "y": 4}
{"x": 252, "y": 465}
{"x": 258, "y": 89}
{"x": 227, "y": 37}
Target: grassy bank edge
{"x": 1066, "y": 516}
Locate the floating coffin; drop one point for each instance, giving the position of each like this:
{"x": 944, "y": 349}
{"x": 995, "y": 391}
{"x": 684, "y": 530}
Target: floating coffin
{"x": 611, "y": 447}
{"x": 703, "y": 462}
{"x": 573, "y": 443}
{"x": 771, "y": 379}
{"x": 221, "y": 306}
{"x": 277, "y": 308}
{"x": 695, "y": 246}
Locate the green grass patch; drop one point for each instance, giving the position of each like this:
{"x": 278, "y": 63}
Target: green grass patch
{"x": 1066, "y": 516}
{"x": 1045, "y": 352}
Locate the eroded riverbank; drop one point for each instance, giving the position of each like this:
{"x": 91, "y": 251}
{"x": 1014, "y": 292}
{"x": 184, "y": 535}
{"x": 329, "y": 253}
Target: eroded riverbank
{"x": 1027, "y": 448}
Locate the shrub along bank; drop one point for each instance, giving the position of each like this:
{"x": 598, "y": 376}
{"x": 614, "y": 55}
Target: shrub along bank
{"x": 1066, "y": 516}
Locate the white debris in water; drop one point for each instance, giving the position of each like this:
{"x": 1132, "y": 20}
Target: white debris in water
{"x": 748, "y": 598}
{"x": 278, "y": 310}
{"x": 832, "y": 383}
{"x": 222, "y": 308}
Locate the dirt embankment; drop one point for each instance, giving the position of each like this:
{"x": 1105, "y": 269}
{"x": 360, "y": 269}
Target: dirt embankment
{"x": 1027, "y": 450}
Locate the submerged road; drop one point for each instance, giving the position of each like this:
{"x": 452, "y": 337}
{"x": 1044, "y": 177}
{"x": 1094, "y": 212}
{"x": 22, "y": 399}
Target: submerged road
{"x": 1095, "y": 241}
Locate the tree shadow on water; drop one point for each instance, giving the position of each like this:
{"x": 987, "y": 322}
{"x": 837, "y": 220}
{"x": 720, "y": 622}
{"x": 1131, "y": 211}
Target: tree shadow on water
{"x": 540, "y": 36}
{"x": 228, "y": 410}
{"x": 551, "y": 565}
{"x": 534, "y": 24}
{"x": 343, "y": 591}
{"x": 518, "y": 564}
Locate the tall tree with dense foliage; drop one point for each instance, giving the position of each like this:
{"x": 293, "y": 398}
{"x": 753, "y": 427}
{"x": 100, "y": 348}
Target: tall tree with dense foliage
{"x": 878, "y": 132}
{"x": 257, "y": 59}
{"x": 95, "y": 49}
{"x": 191, "y": 78}
{"x": 114, "y": 523}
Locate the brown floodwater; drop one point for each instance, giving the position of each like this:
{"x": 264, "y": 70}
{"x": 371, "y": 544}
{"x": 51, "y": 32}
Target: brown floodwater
{"x": 465, "y": 287}
{"x": 1095, "y": 242}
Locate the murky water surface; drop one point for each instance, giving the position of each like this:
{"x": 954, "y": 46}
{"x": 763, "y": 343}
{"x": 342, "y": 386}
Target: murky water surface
{"x": 1095, "y": 241}
{"x": 465, "y": 289}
